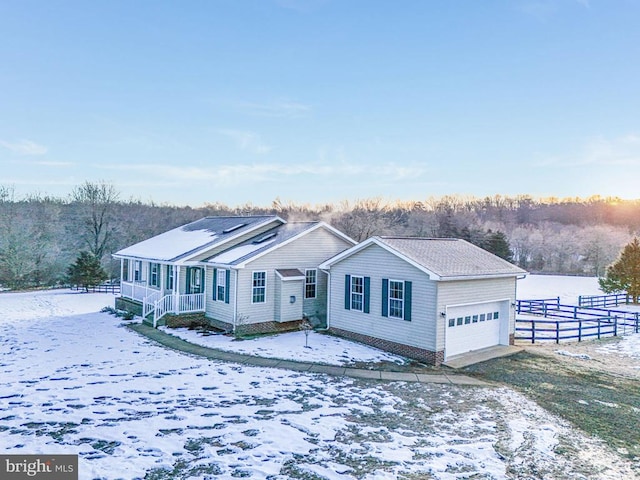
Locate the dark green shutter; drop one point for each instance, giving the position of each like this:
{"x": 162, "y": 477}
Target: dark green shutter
{"x": 215, "y": 284}
{"x": 407, "y": 301}
{"x": 367, "y": 285}
{"x": 347, "y": 292}
{"x": 385, "y": 297}
{"x": 201, "y": 281}
{"x": 227, "y": 284}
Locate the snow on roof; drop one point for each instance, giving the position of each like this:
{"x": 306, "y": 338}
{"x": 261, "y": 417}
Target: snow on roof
{"x": 181, "y": 241}
{"x": 233, "y": 254}
{"x": 265, "y": 241}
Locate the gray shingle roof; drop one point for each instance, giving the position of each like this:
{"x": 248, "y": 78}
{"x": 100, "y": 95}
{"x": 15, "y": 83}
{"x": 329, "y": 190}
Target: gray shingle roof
{"x": 451, "y": 257}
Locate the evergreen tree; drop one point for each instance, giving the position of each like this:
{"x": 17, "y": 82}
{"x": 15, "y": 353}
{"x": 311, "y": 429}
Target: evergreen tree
{"x": 624, "y": 274}
{"x": 498, "y": 244}
{"x": 86, "y": 271}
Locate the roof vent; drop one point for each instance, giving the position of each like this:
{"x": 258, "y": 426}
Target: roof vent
{"x": 266, "y": 237}
{"x": 235, "y": 227}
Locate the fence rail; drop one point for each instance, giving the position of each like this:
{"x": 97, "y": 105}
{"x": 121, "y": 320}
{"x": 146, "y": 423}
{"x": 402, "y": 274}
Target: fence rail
{"x": 603, "y": 300}
{"x": 541, "y": 330}
{"x": 104, "y": 288}
{"x": 561, "y": 311}
{"x": 561, "y": 322}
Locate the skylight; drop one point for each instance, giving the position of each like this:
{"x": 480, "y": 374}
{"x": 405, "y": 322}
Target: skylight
{"x": 235, "y": 227}
{"x": 264, "y": 238}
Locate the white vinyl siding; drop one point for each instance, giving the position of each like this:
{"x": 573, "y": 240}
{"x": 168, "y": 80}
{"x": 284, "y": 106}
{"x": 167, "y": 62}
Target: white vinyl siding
{"x": 304, "y": 253}
{"x": 378, "y": 264}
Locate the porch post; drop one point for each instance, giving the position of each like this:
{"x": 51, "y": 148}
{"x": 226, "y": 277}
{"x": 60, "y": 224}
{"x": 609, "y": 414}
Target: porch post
{"x": 121, "y": 272}
{"x": 176, "y": 288}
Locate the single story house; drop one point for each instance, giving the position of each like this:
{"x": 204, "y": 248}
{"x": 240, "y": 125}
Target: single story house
{"x": 424, "y": 298}
{"x": 253, "y": 273}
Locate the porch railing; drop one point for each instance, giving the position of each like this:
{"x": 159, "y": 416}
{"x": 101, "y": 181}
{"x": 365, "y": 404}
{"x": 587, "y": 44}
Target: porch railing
{"x": 136, "y": 290}
{"x": 187, "y": 303}
{"x": 154, "y": 303}
{"x": 149, "y": 303}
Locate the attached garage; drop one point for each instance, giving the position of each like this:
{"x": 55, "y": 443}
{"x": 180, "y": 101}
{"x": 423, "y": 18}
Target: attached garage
{"x": 475, "y": 326}
{"x": 425, "y": 298}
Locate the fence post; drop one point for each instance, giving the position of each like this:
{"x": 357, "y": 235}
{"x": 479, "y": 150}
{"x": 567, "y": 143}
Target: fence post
{"x": 533, "y": 331}
{"x": 575, "y": 312}
{"x": 544, "y": 309}
{"x": 615, "y": 326}
{"x": 557, "y": 331}
{"x": 598, "y": 329}
{"x": 579, "y": 330}
{"x": 636, "y": 322}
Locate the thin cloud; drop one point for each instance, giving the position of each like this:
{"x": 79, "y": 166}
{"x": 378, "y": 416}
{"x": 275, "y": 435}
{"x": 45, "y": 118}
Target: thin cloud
{"x": 235, "y": 174}
{"x": 248, "y": 141}
{"x": 24, "y": 147}
{"x": 54, "y": 164}
{"x": 282, "y": 108}
{"x": 619, "y": 151}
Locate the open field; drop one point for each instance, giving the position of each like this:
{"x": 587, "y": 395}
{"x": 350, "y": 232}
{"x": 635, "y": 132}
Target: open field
{"x": 74, "y": 380}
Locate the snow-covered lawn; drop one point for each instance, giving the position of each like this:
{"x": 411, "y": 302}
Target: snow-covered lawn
{"x": 568, "y": 288}
{"x": 321, "y": 348}
{"x": 73, "y": 380}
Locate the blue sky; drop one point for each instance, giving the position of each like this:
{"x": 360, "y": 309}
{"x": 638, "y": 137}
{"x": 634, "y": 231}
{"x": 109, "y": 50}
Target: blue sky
{"x": 315, "y": 101}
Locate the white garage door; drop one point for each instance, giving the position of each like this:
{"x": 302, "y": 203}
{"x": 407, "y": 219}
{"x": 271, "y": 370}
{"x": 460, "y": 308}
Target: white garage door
{"x": 472, "y": 327}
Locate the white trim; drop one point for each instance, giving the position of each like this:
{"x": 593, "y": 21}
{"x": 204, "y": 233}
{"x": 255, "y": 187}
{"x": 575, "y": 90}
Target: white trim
{"x": 315, "y": 284}
{"x": 265, "y": 286}
{"x": 351, "y": 293}
{"x": 224, "y": 284}
{"x": 404, "y": 289}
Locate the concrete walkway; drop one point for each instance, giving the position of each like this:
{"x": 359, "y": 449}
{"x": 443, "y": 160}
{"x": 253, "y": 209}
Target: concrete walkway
{"x": 425, "y": 376}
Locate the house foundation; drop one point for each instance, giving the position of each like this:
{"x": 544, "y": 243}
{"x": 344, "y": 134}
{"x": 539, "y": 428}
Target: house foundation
{"x": 421, "y": 354}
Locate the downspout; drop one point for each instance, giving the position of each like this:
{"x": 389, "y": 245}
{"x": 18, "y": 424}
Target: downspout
{"x": 328, "y": 304}
{"x": 235, "y": 302}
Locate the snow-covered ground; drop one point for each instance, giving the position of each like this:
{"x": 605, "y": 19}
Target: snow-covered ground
{"x": 568, "y": 288}
{"x": 73, "y": 380}
{"x": 319, "y": 348}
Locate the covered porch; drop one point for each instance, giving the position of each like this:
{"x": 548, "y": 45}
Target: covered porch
{"x": 162, "y": 288}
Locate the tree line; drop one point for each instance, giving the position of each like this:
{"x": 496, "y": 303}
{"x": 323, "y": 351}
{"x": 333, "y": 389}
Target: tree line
{"x": 41, "y": 235}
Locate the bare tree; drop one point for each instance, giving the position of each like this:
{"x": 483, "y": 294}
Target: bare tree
{"x": 97, "y": 203}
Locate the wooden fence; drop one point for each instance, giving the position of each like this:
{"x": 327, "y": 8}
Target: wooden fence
{"x": 570, "y": 322}
{"x": 603, "y": 300}
{"x": 104, "y": 288}
{"x": 545, "y": 330}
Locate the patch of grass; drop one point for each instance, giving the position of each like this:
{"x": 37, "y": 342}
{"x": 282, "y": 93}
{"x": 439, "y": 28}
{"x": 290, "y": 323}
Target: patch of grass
{"x": 597, "y": 402}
